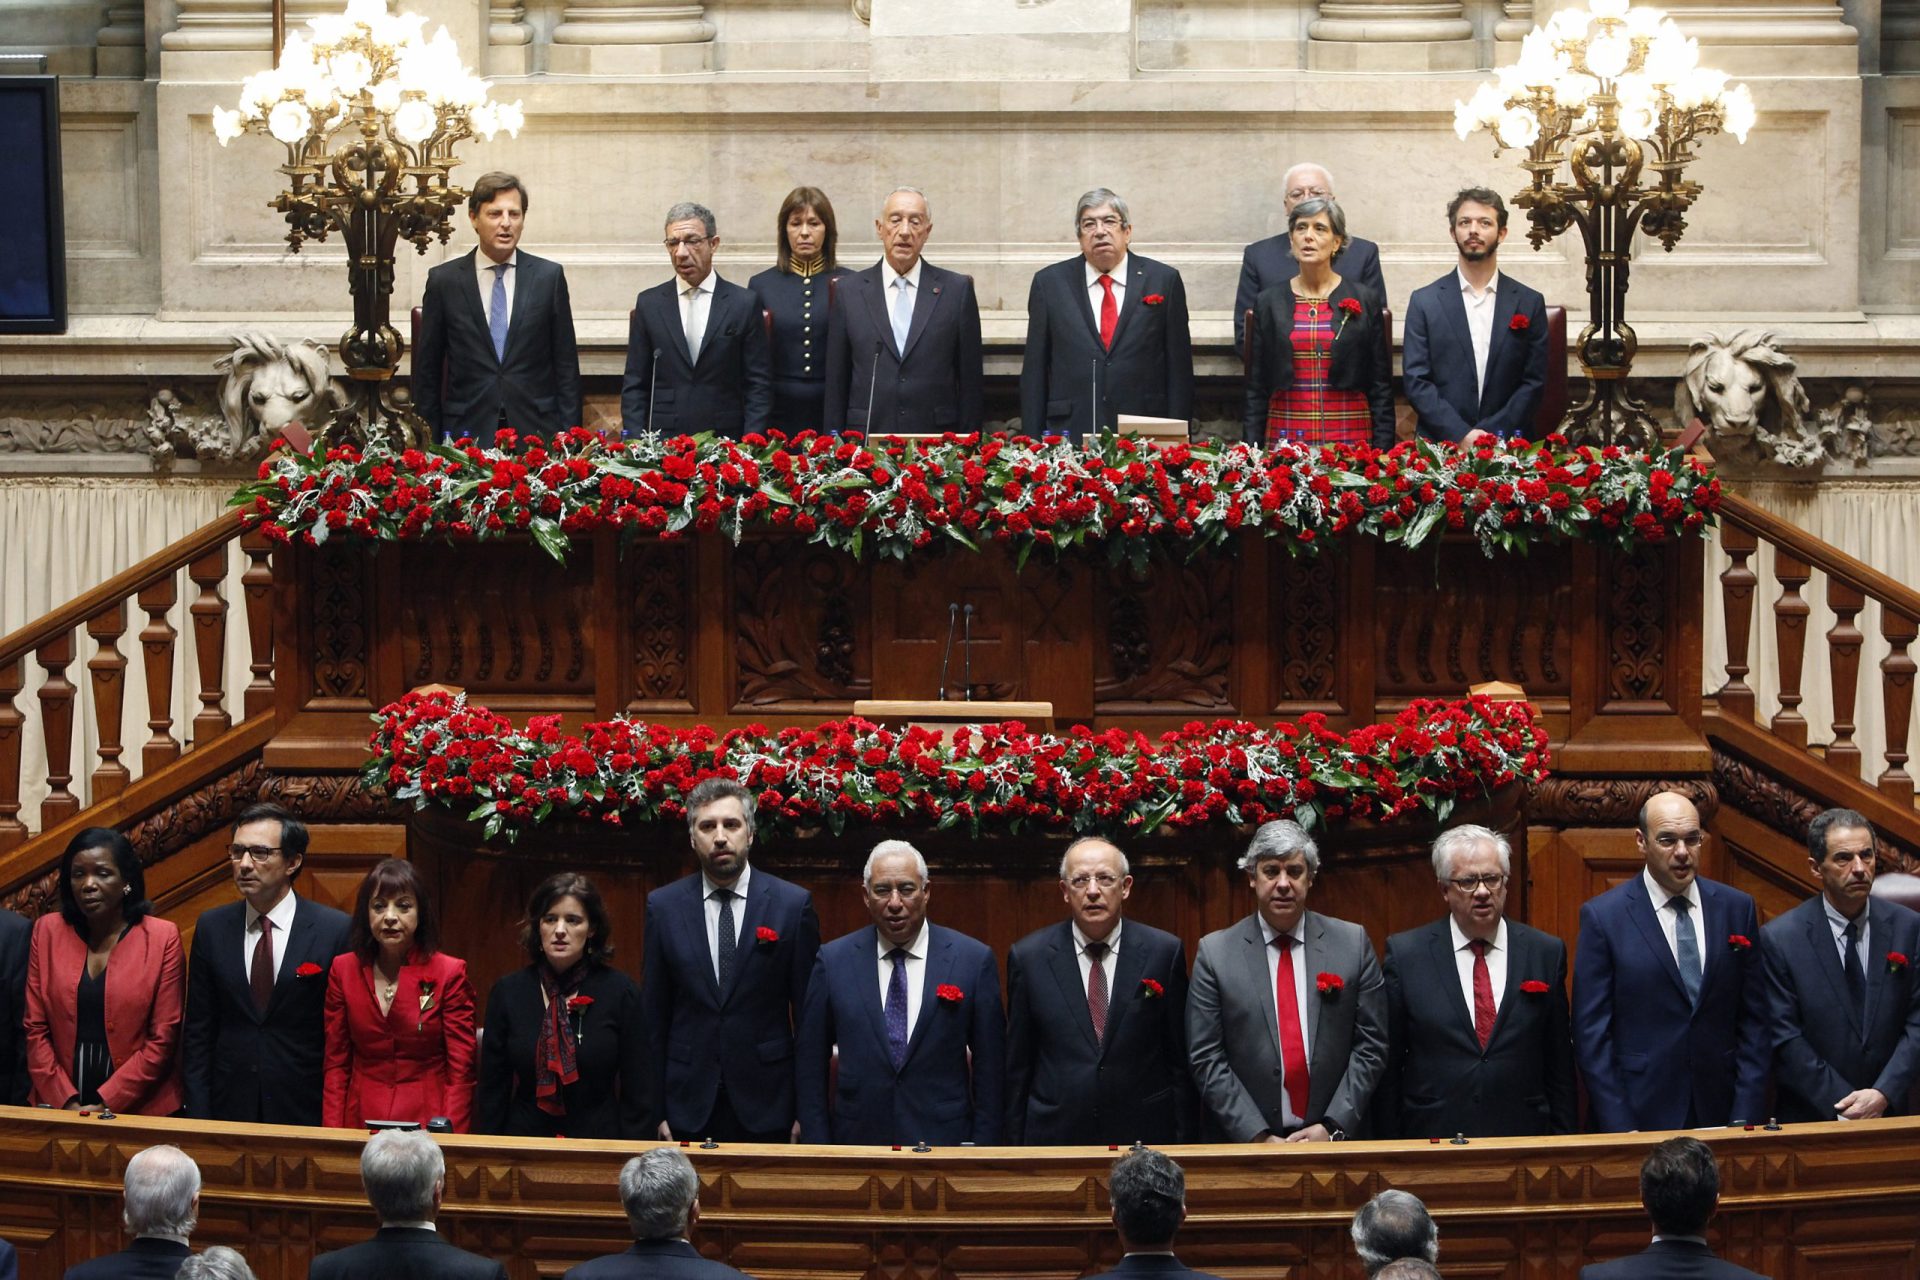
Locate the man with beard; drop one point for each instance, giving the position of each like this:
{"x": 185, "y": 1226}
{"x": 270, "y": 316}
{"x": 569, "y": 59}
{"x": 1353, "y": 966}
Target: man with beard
{"x": 1475, "y": 352}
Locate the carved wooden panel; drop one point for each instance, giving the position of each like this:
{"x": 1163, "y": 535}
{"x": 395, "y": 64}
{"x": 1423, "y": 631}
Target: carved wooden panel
{"x": 1447, "y": 617}
{"x": 1304, "y": 643}
{"x": 1636, "y": 625}
{"x": 915, "y": 602}
{"x": 660, "y": 580}
{"x": 1168, "y": 635}
{"x": 339, "y": 619}
{"x": 493, "y": 619}
{"x": 801, "y": 635}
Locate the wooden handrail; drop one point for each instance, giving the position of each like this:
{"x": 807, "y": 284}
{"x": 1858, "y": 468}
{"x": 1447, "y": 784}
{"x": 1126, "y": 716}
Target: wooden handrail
{"x": 1829, "y": 559}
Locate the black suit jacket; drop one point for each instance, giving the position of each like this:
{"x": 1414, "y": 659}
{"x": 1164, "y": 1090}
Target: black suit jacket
{"x": 1361, "y": 361}
{"x": 240, "y": 1065}
{"x": 1436, "y": 361}
{"x": 1269, "y": 262}
{"x": 728, "y": 390}
{"x": 1063, "y": 1088}
{"x": 1160, "y": 1266}
{"x": 611, "y": 1099}
{"x": 1438, "y": 1081}
{"x": 144, "y": 1258}
{"x": 1669, "y": 1260}
{"x": 15, "y": 932}
{"x": 404, "y": 1253}
{"x": 654, "y": 1260}
{"x": 1821, "y": 1053}
{"x": 537, "y": 385}
{"x": 1149, "y": 369}
{"x": 934, "y": 385}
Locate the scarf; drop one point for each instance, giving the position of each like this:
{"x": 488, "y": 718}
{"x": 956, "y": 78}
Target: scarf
{"x": 555, "y": 1064}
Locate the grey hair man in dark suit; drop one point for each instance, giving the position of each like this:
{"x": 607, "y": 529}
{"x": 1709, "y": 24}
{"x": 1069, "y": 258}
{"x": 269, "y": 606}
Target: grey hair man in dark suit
{"x": 1149, "y": 1194}
{"x": 1680, "y": 1186}
{"x": 1269, "y": 262}
{"x": 160, "y": 1208}
{"x": 1394, "y": 1226}
{"x": 1286, "y": 1012}
{"x": 661, "y": 1195}
{"x": 405, "y": 1177}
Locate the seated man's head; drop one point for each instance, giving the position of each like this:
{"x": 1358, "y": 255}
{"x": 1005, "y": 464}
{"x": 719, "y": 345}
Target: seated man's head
{"x": 1394, "y": 1225}
{"x": 162, "y": 1194}
{"x": 404, "y": 1174}
{"x": 1680, "y": 1185}
{"x": 1408, "y": 1269}
{"x": 1149, "y": 1193}
{"x": 661, "y": 1194}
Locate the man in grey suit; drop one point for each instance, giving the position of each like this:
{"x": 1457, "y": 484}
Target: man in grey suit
{"x": 1843, "y": 1007}
{"x": 1286, "y": 1013}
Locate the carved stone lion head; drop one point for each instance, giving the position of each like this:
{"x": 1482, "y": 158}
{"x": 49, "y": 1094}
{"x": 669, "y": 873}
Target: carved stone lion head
{"x": 269, "y": 386}
{"x": 1745, "y": 389}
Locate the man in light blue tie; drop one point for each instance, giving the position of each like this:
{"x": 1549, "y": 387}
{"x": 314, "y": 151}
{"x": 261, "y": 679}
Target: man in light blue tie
{"x": 1669, "y": 996}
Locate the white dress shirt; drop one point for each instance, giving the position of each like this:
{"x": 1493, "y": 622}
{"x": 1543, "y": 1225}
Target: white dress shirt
{"x": 282, "y": 917}
{"x": 892, "y": 279}
{"x": 1300, "y": 990}
{"x": 1107, "y": 962}
{"x": 709, "y": 892}
{"x": 483, "y": 268}
{"x": 695, "y": 310}
{"x": 1479, "y": 322}
{"x": 1838, "y": 923}
{"x": 1496, "y": 964}
{"x": 916, "y": 967}
{"x": 1097, "y": 295}
{"x": 1664, "y": 912}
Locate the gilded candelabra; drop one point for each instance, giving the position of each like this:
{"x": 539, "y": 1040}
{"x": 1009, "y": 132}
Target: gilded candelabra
{"x": 1620, "y": 96}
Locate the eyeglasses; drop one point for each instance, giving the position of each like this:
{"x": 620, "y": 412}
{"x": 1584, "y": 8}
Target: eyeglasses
{"x": 690, "y": 242}
{"x": 1470, "y": 884}
{"x": 1308, "y": 193}
{"x": 258, "y": 852}
{"x": 1106, "y": 222}
{"x": 907, "y": 890}
{"x": 1105, "y": 880}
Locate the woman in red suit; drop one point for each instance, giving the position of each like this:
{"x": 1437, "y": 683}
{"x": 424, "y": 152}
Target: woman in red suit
{"x": 106, "y": 987}
{"x": 399, "y": 1012}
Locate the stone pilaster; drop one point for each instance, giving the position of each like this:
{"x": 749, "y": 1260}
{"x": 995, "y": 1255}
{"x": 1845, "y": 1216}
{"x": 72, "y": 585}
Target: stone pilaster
{"x": 631, "y": 37}
{"x": 509, "y": 41}
{"x": 122, "y": 43}
{"x": 1771, "y": 37}
{"x": 1390, "y": 35}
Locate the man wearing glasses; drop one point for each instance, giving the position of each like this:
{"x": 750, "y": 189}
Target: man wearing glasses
{"x": 257, "y": 983}
{"x": 1270, "y": 262}
{"x": 1477, "y": 1028}
{"x": 697, "y": 352}
{"x": 1096, "y": 1022}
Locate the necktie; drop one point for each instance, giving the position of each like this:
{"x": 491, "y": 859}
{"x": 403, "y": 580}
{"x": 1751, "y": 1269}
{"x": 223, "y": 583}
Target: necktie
{"x": 497, "y": 311}
{"x": 1482, "y": 993}
{"x": 693, "y": 326}
{"x": 902, "y": 314}
{"x": 1293, "y": 1046}
{"x": 727, "y": 949}
{"x": 897, "y": 1008}
{"x": 1097, "y": 989}
{"x": 1109, "y": 312}
{"x": 1856, "y": 977}
{"x": 1689, "y": 948}
{"x": 261, "y": 973}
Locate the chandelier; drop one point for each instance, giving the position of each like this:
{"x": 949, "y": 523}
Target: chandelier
{"x": 370, "y": 111}
{"x": 1619, "y": 95}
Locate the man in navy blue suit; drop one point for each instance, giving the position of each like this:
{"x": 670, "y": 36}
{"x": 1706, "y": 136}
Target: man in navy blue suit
{"x": 1149, "y": 1194}
{"x": 697, "y": 352}
{"x": 661, "y": 1194}
{"x": 1840, "y": 986}
{"x": 728, "y": 953}
{"x": 908, "y": 1004}
{"x": 1269, "y": 262}
{"x": 1474, "y": 353}
{"x": 1669, "y": 1001}
{"x": 1680, "y": 1187}
{"x": 161, "y": 1205}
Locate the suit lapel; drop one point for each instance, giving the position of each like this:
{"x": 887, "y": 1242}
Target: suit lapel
{"x": 1446, "y": 969}
{"x": 934, "y": 972}
{"x": 752, "y": 911}
{"x": 1520, "y": 954}
{"x": 694, "y": 921}
{"x": 1313, "y": 956}
{"x": 1130, "y": 965}
{"x": 524, "y": 274}
{"x": 925, "y": 299}
{"x": 717, "y": 310}
{"x": 875, "y": 1001}
{"x": 1130, "y": 304}
{"x": 1641, "y": 911}
{"x": 298, "y": 937}
{"x": 1064, "y": 959}
{"x": 873, "y": 285}
{"x": 1506, "y": 300}
{"x": 1826, "y": 960}
{"x": 1879, "y": 939}
{"x": 1072, "y": 286}
{"x": 1261, "y": 978}
{"x": 475, "y": 300}
{"x": 666, "y": 316}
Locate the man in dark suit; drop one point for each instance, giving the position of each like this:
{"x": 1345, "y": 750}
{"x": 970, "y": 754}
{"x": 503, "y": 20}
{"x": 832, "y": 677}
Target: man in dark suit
{"x": 1680, "y": 1186}
{"x": 1096, "y": 1019}
{"x": 1270, "y": 262}
{"x": 1392, "y": 1227}
{"x": 405, "y": 1176}
{"x": 697, "y": 353}
{"x": 1475, "y": 348}
{"x": 1845, "y": 1013}
{"x": 497, "y": 326}
{"x": 1106, "y": 332}
{"x": 255, "y": 1033}
{"x": 1477, "y": 1027}
{"x": 1149, "y": 1194}
{"x": 161, "y": 1194}
{"x": 729, "y": 950}
{"x": 661, "y": 1194}
{"x": 915, "y": 1012}
{"x": 1669, "y": 1001}
{"x": 1286, "y": 1014}
{"x": 15, "y": 932}
{"x": 903, "y": 338}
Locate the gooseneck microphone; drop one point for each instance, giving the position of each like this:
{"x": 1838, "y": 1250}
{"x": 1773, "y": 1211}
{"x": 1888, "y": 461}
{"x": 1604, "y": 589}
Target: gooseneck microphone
{"x": 946, "y": 655}
{"x": 653, "y": 384}
{"x": 1093, "y": 409}
{"x": 873, "y": 386}
{"x": 966, "y": 651}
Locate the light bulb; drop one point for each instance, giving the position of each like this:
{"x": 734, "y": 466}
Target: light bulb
{"x": 1644, "y": 22}
{"x": 1607, "y": 55}
{"x": 511, "y": 117}
{"x": 1671, "y": 56}
{"x": 227, "y": 125}
{"x": 1536, "y": 62}
{"x": 1741, "y": 113}
{"x": 415, "y": 121}
{"x": 1573, "y": 89}
{"x": 1517, "y": 128}
{"x": 350, "y": 71}
{"x": 289, "y": 122}
{"x": 366, "y": 13}
{"x": 1567, "y": 26}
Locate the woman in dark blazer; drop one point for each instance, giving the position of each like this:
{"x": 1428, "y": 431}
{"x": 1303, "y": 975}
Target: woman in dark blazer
{"x": 797, "y": 292}
{"x": 1321, "y": 370}
{"x": 564, "y": 1053}
{"x": 106, "y": 988}
{"x": 400, "y": 1043}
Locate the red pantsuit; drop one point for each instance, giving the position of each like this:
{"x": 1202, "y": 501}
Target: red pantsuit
{"x": 414, "y": 1062}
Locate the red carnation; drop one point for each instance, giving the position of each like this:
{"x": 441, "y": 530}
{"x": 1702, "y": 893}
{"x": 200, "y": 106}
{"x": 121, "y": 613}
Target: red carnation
{"x": 1151, "y": 990}
{"x": 308, "y": 970}
{"x": 1154, "y": 299}
{"x": 767, "y": 937}
{"x": 1896, "y": 962}
{"x": 949, "y": 993}
{"x": 1739, "y": 942}
{"x": 578, "y": 1004}
{"x": 1351, "y": 306}
{"x": 1329, "y": 984}
{"x": 1519, "y": 322}
{"x": 1534, "y": 987}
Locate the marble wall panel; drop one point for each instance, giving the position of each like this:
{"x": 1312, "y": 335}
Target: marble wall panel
{"x": 1890, "y": 230}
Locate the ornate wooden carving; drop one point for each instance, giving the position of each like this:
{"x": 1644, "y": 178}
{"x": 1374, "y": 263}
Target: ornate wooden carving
{"x": 57, "y": 697}
{"x": 209, "y": 612}
{"x": 497, "y": 620}
{"x": 156, "y": 642}
{"x": 13, "y": 832}
{"x": 662, "y": 587}
{"x": 1777, "y": 803}
{"x": 1896, "y": 690}
{"x": 336, "y": 596}
{"x": 1790, "y": 613}
{"x": 107, "y": 676}
{"x": 1610, "y": 802}
{"x": 1843, "y": 656}
{"x": 1737, "y": 583}
{"x": 256, "y": 581}
{"x": 1637, "y": 626}
{"x": 1447, "y": 617}
{"x": 1304, "y": 626}
{"x": 1169, "y": 637}
{"x": 800, "y": 625}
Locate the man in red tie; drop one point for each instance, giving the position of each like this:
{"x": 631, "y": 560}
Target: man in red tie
{"x": 1477, "y": 1018}
{"x": 1286, "y": 1013}
{"x": 1106, "y": 332}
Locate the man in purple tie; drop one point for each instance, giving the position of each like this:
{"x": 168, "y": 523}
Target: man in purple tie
{"x": 915, "y": 1012}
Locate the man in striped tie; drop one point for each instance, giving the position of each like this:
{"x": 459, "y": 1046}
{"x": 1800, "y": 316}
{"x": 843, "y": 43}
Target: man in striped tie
{"x": 1476, "y": 1010}
{"x": 1286, "y": 1013}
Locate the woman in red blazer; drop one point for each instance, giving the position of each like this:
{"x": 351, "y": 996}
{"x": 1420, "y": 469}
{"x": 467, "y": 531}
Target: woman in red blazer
{"x": 400, "y": 1040}
{"x": 106, "y": 988}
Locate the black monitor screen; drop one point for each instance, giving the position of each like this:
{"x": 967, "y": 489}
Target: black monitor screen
{"x": 33, "y": 271}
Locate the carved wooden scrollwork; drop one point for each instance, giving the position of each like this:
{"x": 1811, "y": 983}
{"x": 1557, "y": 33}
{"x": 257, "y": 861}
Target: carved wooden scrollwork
{"x": 1169, "y": 637}
{"x": 1636, "y": 626}
{"x": 1610, "y": 802}
{"x": 662, "y": 634}
{"x": 1306, "y": 628}
{"x": 1777, "y": 803}
{"x": 339, "y": 628}
{"x": 799, "y": 617}
{"x": 493, "y": 619}
{"x": 1449, "y": 618}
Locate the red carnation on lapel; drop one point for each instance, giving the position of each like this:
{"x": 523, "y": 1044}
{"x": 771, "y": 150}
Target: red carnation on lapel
{"x": 1739, "y": 942}
{"x": 949, "y": 993}
{"x": 1519, "y": 322}
{"x": 308, "y": 970}
{"x": 1534, "y": 987}
{"x": 1351, "y": 306}
{"x": 578, "y": 1004}
{"x": 765, "y": 936}
{"x": 1151, "y": 990}
{"x": 1329, "y": 984}
{"x": 1154, "y": 299}
{"x": 1896, "y": 962}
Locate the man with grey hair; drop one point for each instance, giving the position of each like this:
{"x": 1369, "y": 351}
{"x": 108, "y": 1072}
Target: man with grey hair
{"x": 903, "y": 337}
{"x": 1408, "y": 1269}
{"x": 1106, "y": 332}
{"x": 216, "y": 1263}
{"x": 1270, "y": 262}
{"x": 698, "y": 358}
{"x": 1391, "y": 1226}
{"x": 160, "y": 1207}
{"x": 661, "y": 1195}
{"x": 729, "y": 949}
{"x": 1096, "y": 1021}
{"x": 405, "y": 1177}
{"x": 1480, "y": 1039}
{"x": 1149, "y": 1194}
{"x": 914, "y": 1010}
{"x": 1286, "y": 1017}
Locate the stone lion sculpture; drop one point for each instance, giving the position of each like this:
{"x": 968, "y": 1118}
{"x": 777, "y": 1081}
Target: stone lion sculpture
{"x": 1746, "y": 391}
{"x": 269, "y": 389}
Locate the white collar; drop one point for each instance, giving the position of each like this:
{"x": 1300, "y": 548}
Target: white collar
{"x": 739, "y": 887}
{"x": 888, "y": 275}
{"x": 1268, "y": 933}
{"x": 1119, "y": 272}
{"x": 1497, "y": 943}
{"x": 1839, "y": 922}
{"x": 281, "y": 915}
{"x": 1466, "y": 287}
{"x": 416, "y": 1226}
{"x": 484, "y": 263}
{"x": 917, "y": 948}
{"x": 705, "y": 286}
{"x": 1081, "y": 941}
{"x": 1660, "y": 897}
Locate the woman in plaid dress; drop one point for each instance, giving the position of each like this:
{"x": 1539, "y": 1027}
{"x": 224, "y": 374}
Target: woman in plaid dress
{"x": 1322, "y": 369}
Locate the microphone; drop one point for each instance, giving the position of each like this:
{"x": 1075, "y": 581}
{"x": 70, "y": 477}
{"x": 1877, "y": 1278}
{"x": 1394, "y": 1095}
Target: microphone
{"x": 1093, "y": 428}
{"x": 873, "y": 386}
{"x": 966, "y": 652}
{"x": 653, "y": 384}
{"x": 953, "y": 611}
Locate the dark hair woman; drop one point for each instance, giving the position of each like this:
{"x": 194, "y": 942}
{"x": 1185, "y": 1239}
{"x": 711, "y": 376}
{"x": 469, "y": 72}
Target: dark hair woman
{"x": 106, "y": 988}
{"x": 565, "y": 1050}
{"x": 797, "y": 292}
